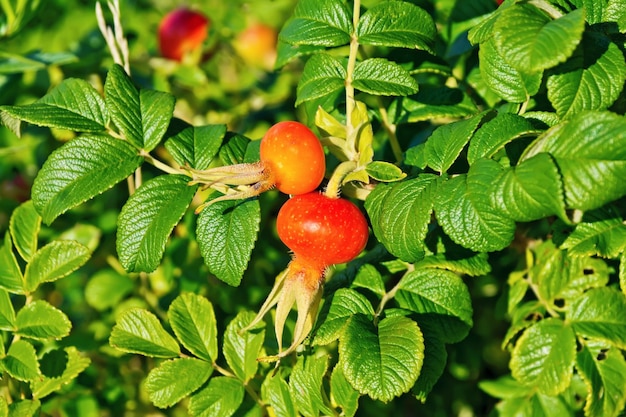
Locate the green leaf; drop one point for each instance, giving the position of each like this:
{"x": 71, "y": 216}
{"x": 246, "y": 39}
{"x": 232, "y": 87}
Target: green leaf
{"x": 460, "y": 260}
{"x": 80, "y": 170}
{"x": 622, "y": 272}
{"x": 193, "y": 320}
{"x": 442, "y": 297}
{"x": 141, "y": 115}
{"x": 544, "y": 356}
{"x": 598, "y": 314}
{"x": 343, "y": 394}
{"x": 21, "y": 361}
{"x": 322, "y": 76}
{"x": 464, "y": 210}
{"x": 385, "y": 361}
{"x": 275, "y": 392}
{"x": 400, "y": 214}
{"x": 234, "y": 149}
{"x": 434, "y": 102}
{"x": 73, "y": 105}
{"x": 305, "y": 384}
{"x": 491, "y": 136}
{"x": 591, "y": 79}
{"x": 40, "y": 320}
{"x": 287, "y": 52}
{"x": 590, "y": 152}
{"x": 435, "y": 360}
{"x": 337, "y": 312}
{"x": 381, "y": 77}
{"x": 220, "y": 398}
{"x": 25, "y": 408}
{"x": 604, "y": 373}
{"x": 196, "y": 146}
{"x": 148, "y": 218}
{"x": 369, "y": 278}
{"x": 226, "y": 233}
{"x": 139, "y": 331}
{"x": 106, "y": 288}
{"x": 532, "y": 42}
{"x": 76, "y": 363}
{"x": 24, "y": 225}
{"x": 241, "y": 350}
{"x": 447, "y": 141}
{"x": 54, "y": 261}
{"x": 397, "y": 24}
{"x": 384, "y": 171}
{"x": 531, "y": 190}
{"x": 7, "y": 313}
{"x": 175, "y": 379}
{"x": 11, "y": 278}
{"x": 506, "y": 81}
{"x": 318, "y": 22}
{"x": 601, "y": 232}
{"x": 505, "y": 387}
{"x": 33, "y": 61}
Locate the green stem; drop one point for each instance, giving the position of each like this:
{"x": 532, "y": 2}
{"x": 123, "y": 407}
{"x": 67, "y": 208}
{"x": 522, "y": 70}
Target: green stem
{"x": 335, "y": 182}
{"x": 354, "y": 49}
{"x": 161, "y": 165}
{"x": 390, "y": 128}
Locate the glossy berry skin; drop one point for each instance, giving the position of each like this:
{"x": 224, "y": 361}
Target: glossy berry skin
{"x": 322, "y": 231}
{"x": 182, "y": 31}
{"x": 294, "y": 157}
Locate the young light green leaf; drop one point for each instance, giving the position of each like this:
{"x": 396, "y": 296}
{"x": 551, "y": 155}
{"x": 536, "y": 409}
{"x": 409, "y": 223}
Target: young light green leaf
{"x": 322, "y": 76}
{"x": 196, "y": 146}
{"x": 589, "y": 150}
{"x": 384, "y": 171}
{"x": 464, "y": 210}
{"x": 241, "y": 350}
{"x": 379, "y": 76}
{"x": 598, "y": 313}
{"x": 25, "y": 408}
{"x": 305, "y": 384}
{"x": 275, "y": 392}
{"x": 106, "y": 288}
{"x": 226, "y": 234}
{"x": 544, "y": 356}
{"x": 11, "y": 278}
{"x": 531, "y": 190}
{"x": 21, "y": 361}
{"x": 79, "y": 170}
{"x": 385, "y": 361}
{"x": 54, "y": 261}
{"x": 141, "y": 115}
{"x": 601, "y": 232}
{"x": 445, "y": 144}
{"x": 336, "y": 313}
{"x": 175, "y": 379}
{"x": 76, "y": 363}
{"x": 440, "y": 295}
{"x": 369, "y": 278}
{"x": 193, "y": 320}
{"x": 73, "y": 105}
{"x": 7, "y": 312}
{"x": 148, "y": 218}
{"x": 344, "y": 395}
{"x": 139, "y": 331}
{"x": 24, "y": 225}
{"x": 220, "y": 398}
{"x": 40, "y": 320}
{"x": 604, "y": 372}
{"x": 591, "y": 79}
{"x": 531, "y": 41}
{"x": 318, "y": 22}
{"x": 397, "y": 24}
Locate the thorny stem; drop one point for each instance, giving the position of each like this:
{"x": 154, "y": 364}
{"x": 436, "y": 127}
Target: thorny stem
{"x": 335, "y": 182}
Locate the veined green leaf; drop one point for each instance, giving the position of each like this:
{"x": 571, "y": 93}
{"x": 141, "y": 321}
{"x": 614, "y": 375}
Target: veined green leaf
{"x": 598, "y": 313}
{"x": 462, "y": 262}
{"x": 148, "y": 218}
{"x": 369, "y": 278}
{"x": 24, "y": 225}
{"x": 544, "y": 356}
{"x": 336, "y": 313}
{"x": 305, "y": 384}
{"x": 233, "y": 151}
{"x": 396, "y": 24}
{"x": 106, "y": 288}
{"x": 175, "y": 379}
{"x": 343, "y": 393}
{"x": 591, "y": 79}
{"x": 141, "y": 115}
{"x": 11, "y": 278}
{"x": 54, "y": 261}
{"x": 7, "y": 313}
{"x": 382, "y": 77}
{"x": 33, "y": 61}
{"x": 440, "y": 295}
{"x": 21, "y": 361}
{"x": 226, "y": 234}
{"x": 73, "y": 105}
{"x": 220, "y": 398}
{"x": 80, "y": 170}
{"x": 464, "y": 210}
{"x": 241, "y": 350}
{"x": 318, "y": 22}
{"x": 40, "y": 320}
{"x": 139, "y": 331}
{"x": 590, "y": 152}
{"x": 505, "y": 387}
{"x": 531, "y": 41}
{"x": 193, "y": 320}
{"x": 435, "y": 360}
{"x": 384, "y": 361}
{"x": 322, "y": 75}
{"x": 433, "y": 102}
{"x": 287, "y": 52}
{"x": 25, "y": 408}
{"x": 601, "y": 232}
{"x": 275, "y": 391}
{"x": 76, "y": 363}
{"x": 196, "y": 146}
